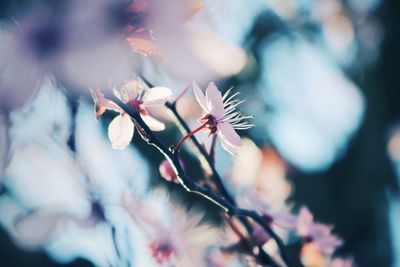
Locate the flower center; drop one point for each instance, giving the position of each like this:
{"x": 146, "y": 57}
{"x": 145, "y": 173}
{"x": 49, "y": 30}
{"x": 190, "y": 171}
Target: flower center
{"x": 161, "y": 251}
{"x": 138, "y": 105}
{"x": 210, "y": 123}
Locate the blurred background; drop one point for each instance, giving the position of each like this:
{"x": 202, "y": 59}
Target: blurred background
{"x": 321, "y": 77}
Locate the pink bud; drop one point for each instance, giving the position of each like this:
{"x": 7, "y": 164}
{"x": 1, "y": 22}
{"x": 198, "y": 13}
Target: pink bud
{"x": 167, "y": 172}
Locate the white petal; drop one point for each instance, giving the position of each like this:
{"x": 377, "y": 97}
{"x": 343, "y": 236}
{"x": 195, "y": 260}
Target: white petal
{"x": 120, "y": 131}
{"x": 118, "y": 95}
{"x": 215, "y": 103}
{"x": 130, "y": 90}
{"x": 228, "y": 134}
{"x": 200, "y": 97}
{"x": 37, "y": 228}
{"x": 157, "y": 96}
{"x": 154, "y": 124}
{"x": 228, "y": 147}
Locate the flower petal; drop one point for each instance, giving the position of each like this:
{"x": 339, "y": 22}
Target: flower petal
{"x": 154, "y": 124}
{"x": 228, "y": 134}
{"x": 157, "y": 96}
{"x": 200, "y": 97}
{"x": 120, "y": 131}
{"x": 228, "y": 147}
{"x": 36, "y": 228}
{"x": 214, "y": 100}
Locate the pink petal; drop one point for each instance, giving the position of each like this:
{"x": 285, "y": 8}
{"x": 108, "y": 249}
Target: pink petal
{"x": 119, "y": 95}
{"x": 228, "y": 134}
{"x": 200, "y": 97}
{"x": 157, "y": 96}
{"x": 214, "y": 100}
{"x": 304, "y": 222}
{"x": 130, "y": 90}
{"x": 285, "y": 220}
{"x": 120, "y": 131}
{"x": 328, "y": 244}
{"x": 154, "y": 124}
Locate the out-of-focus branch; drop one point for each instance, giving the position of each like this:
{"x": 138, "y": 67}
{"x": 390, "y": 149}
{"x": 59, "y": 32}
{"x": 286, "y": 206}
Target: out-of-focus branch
{"x": 189, "y": 185}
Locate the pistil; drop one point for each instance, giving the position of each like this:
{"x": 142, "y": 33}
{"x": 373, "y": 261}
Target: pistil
{"x": 203, "y": 126}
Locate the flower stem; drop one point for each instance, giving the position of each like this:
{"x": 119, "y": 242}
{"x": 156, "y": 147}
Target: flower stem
{"x": 188, "y": 136}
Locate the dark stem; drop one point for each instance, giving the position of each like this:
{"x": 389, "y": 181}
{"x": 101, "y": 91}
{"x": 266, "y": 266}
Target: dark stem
{"x": 212, "y": 150}
{"x": 201, "y": 151}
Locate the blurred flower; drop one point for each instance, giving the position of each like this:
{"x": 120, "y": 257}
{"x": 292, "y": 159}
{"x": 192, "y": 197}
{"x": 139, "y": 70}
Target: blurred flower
{"x": 142, "y": 20}
{"x": 277, "y": 215}
{"x": 220, "y": 117}
{"x": 35, "y": 228}
{"x": 47, "y": 221}
{"x": 216, "y": 258}
{"x": 339, "y": 262}
{"x": 312, "y": 256}
{"x": 317, "y": 233}
{"x": 154, "y": 26}
{"x": 19, "y": 75}
{"x": 175, "y": 236}
{"x": 74, "y": 43}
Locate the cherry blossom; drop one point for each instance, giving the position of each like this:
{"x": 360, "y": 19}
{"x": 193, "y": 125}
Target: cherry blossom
{"x": 220, "y": 116}
{"x": 318, "y": 233}
{"x": 134, "y": 94}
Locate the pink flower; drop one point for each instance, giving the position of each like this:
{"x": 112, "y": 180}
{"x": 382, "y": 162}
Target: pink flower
{"x": 277, "y": 214}
{"x": 134, "y": 94}
{"x": 318, "y": 233}
{"x": 221, "y": 116}
{"x": 175, "y": 236}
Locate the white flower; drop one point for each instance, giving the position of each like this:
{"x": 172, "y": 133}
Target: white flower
{"x": 221, "y": 116}
{"x": 134, "y": 94}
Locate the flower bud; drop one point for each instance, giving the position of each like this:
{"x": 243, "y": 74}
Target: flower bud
{"x": 167, "y": 172}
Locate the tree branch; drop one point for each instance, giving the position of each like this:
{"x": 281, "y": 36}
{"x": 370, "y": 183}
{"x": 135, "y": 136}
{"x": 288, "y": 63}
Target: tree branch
{"x": 228, "y": 206}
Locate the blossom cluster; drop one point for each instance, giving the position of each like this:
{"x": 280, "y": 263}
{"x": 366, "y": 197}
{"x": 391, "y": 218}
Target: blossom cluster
{"x": 220, "y": 117}
{"x": 103, "y": 52}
